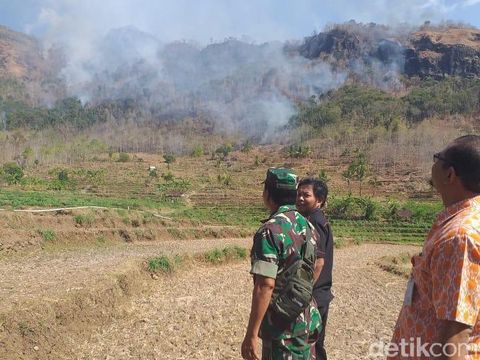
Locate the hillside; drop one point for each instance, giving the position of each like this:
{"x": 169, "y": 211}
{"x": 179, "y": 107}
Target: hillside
{"x": 134, "y": 93}
{"x": 28, "y": 73}
{"x": 20, "y": 55}
{"x": 131, "y": 63}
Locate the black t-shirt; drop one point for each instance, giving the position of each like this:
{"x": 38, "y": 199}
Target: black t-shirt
{"x": 322, "y": 288}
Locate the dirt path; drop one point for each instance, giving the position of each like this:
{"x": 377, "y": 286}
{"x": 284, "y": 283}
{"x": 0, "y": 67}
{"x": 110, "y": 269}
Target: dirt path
{"x": 202, "y": 313}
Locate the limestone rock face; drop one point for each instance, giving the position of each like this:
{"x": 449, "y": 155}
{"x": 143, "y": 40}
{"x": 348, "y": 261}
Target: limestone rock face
{"x": 428, "y": 52}
{"x": 439, "y": 54}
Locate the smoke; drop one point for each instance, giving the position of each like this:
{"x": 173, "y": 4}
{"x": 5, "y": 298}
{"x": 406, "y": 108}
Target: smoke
{"x": 176, "y": 59}
{"x": 412, "y": 12}
{"x": 240, "y": 87}
{"x": 79, "y": 24}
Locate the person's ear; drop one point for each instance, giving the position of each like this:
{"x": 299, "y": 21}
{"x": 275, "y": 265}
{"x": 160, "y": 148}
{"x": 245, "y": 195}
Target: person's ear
{"x": 451, "y": 175}
{"x": 266, "y": 193}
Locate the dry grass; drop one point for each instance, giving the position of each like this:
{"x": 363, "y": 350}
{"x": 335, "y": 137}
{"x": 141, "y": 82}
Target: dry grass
{"x": 90, "y": 304}
{"x": 452, "y": 36}
{"x": 399, "y": 264}
{"x": 95, "y": 307}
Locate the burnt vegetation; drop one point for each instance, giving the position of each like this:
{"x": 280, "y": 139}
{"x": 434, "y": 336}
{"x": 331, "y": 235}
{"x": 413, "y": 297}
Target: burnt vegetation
{"x": 357, "y": 76}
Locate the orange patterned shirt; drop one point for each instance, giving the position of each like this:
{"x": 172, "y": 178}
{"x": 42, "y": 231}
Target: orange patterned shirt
{"x": 447, "y": 283}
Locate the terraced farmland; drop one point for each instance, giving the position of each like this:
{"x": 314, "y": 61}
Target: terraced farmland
{"x": 377, "y": 231}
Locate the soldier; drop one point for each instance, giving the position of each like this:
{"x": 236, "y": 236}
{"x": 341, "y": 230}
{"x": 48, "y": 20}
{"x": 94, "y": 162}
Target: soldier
{"x": 280, "y": 242}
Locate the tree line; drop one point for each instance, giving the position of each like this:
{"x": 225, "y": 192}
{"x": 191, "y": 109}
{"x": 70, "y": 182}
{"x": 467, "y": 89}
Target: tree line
{"x": 362, "y": 105}
{"x": 371, "y": 107}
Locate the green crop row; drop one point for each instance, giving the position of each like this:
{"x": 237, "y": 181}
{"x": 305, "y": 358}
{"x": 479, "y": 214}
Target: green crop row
{"x": 18, "y": 199}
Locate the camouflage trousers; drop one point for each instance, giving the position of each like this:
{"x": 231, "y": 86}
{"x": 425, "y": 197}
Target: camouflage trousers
{"x": 298, "y": 348}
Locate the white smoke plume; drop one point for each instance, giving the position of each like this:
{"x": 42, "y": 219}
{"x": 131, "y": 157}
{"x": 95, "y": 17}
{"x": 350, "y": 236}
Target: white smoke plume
{"x": 177, "y": 56}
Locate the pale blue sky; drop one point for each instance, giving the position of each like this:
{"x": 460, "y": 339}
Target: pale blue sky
{"x": 205, "y": 20}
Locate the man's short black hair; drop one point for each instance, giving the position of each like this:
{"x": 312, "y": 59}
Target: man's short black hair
{"x": 280, "y": 196}
{"x": 320, "y": 188}
{"x": 464, "y": 156}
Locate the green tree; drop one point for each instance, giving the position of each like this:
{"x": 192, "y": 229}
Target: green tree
{"x": 357, "y": 170}
{"x": 27, "y": 154}
{"x": 169, "y": 159}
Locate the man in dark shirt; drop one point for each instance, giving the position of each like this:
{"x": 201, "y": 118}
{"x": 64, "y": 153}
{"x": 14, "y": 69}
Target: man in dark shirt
{"x": 311, "y": 198}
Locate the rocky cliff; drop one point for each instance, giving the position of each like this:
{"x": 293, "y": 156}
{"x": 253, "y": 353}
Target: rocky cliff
{"x": 428, "y": 52}
{"x": 453, "y": 51}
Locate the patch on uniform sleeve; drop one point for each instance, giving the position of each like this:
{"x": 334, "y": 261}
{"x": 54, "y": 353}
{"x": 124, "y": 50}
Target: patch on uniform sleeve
{"x": 264, "y": 268}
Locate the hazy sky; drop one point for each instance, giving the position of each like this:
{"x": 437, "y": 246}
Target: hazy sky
{"x": 205, "y": 20}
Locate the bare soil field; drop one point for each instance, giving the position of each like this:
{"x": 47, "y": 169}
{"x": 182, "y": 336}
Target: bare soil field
{"x": 101, "y": 304}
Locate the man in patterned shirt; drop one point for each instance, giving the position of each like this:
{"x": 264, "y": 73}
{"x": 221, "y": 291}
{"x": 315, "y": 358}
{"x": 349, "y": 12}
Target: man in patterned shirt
{"x": 277, "y": 245}
{"x": 440, "y": 316}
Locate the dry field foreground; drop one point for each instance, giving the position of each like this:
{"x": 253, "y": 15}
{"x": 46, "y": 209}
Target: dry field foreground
{"x": 99, "y": 304}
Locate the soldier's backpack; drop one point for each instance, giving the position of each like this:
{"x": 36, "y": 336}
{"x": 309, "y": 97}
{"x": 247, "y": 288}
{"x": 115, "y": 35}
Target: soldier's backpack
{"x": 294, "y": 286}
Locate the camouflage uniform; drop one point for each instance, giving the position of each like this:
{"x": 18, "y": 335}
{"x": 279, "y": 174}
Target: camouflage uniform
{"x": 276, "y": 245}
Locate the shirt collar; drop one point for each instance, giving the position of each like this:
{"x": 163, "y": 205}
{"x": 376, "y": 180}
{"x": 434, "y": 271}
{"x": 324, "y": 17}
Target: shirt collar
{"x": 284, "y": 208}
{"x": 454, "y": 209}
{"x": 281, "y": 209}
{"x": 314, "y": 211}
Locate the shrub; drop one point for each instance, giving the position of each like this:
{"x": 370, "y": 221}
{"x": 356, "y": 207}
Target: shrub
{"x": 224, "y": 150}
{"x": 63, "y": 175}
{"x": 62, "y": 180}
{"x": 339, "y": 243}
{"x": 392, "y": 209}
{"x": 425, "y": 212}
{"x": 123, "y": 157}
{"x": 197, "y": 151}
{"x": 345, "y": 208}
{"x": 168, "y": 176}
{"x": 32, "y": 182}
{"x": 225, "y": 179}
{"x": 353, "y": 208}
{"x": 12, "y": 173}
{"x": 164, "y": 264}
{"x": 370, "y": 209}
{"x": 174, "y": 184}
{"x": 84, "y": 219}
{"x": 57, "y": 185}
{"x": 247, "y": 146}
{"x": 214, "y": 256}
{"x": 299, "y": 151}
{"x": 323, "y": 176}
{"x": 228, "y": 253}
{"x": 47, "y": 234}
{"x": 169, "y": 158}
{"x": 27, "y": 154}
{"x": 153, "y": 173}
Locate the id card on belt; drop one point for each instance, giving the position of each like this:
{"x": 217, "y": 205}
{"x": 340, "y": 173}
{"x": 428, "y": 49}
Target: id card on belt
{"x": 409, "y": 292}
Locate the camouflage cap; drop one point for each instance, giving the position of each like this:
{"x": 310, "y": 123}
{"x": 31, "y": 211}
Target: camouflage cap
{"x": 282, "y": 178}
